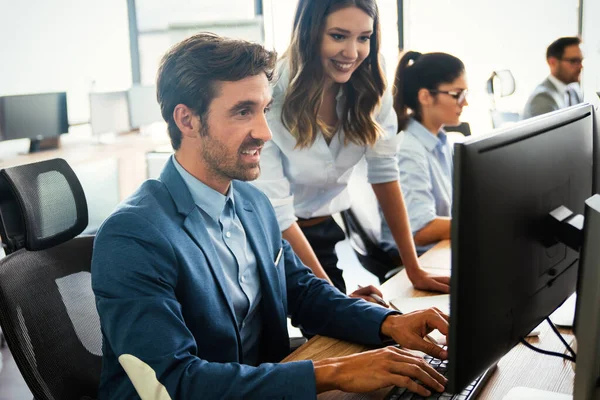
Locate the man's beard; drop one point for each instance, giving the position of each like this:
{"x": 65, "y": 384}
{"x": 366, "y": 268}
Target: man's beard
{"x": 226, "y": 164}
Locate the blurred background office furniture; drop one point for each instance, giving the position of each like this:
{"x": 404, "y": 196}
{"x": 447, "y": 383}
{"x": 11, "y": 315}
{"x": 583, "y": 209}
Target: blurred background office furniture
{"x": 501, "y": 84}
{"x": 144, "y": 110}
{"x": 40, "y": 117}
{"x": 47, "y": 307}
{"x": 458, "y": 133}
{"x": 464, "y": 128}
{"x": 109, "y": 113}
{"x": 156, "y": 160}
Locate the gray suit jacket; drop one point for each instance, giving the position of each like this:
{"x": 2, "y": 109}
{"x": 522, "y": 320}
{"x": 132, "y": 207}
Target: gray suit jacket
{"x": 546, "y": 98}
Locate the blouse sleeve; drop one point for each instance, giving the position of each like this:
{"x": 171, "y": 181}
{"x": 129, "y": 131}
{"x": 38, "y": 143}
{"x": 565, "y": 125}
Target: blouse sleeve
{"x": 381, "y": 158}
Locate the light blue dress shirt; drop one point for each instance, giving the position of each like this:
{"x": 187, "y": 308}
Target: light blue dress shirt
{"x": 425, "y": 163}
{"x": 312, "y": 182}
{"x": 237, "y": 259}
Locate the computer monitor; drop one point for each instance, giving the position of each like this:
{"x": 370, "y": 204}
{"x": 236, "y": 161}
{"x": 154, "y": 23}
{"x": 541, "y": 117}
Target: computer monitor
{"x": 507, "y": 277}
{"x": 40, "y": 117}
{"x": 587, "y": 316}
{"x": 143, "y": 106}
{"x": 109, "y": 112}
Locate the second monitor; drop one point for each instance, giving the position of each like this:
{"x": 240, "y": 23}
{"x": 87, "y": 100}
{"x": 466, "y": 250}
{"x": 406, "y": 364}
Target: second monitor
{"x": 508, "y": 272}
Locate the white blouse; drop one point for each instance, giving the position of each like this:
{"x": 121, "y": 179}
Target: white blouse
{"x": 312, "y": 182}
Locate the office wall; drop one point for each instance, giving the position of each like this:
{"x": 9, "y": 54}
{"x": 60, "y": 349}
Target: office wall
{"x": 155, "y": 17}
{"x": 72, "y": 45}
{"x": 488, "y": 36}
{"x": 591, "y": 47}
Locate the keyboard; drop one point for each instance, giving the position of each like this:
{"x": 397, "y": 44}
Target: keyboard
{"x": 469, "y": 393}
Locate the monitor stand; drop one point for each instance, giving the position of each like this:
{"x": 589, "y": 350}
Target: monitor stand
{"x": 49, "y": 143}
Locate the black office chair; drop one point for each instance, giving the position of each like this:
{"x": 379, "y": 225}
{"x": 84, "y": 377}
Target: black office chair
{"x": 463, "y": 128}
{"x": 501, "y": 84}
{"x": 371, "y": 256}
{"x": 47, "y": 308}
{"x": 363, "y": 223}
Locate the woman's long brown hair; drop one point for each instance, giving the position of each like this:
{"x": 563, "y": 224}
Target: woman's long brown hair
{"x": 304, "y": 95}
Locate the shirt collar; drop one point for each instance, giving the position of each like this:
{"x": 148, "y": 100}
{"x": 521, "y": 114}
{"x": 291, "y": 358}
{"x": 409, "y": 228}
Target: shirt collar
{"x": 205, "y": 197}
{"x": 560, "y": 86}
{"x": 427, "y": 139}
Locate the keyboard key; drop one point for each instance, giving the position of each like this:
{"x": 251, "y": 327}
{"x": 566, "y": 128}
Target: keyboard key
{"x": 398, "y": 393}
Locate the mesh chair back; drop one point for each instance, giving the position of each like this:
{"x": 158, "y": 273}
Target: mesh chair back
{"x": 48, "y": 200}
{"x": 47, "y": 306}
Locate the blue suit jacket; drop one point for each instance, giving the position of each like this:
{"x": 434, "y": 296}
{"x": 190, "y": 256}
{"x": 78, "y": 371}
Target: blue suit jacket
{"x": 164, "y": 311}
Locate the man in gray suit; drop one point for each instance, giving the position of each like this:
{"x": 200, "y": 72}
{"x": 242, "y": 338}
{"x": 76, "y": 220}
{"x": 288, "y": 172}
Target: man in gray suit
{"x": 560, "y": 89}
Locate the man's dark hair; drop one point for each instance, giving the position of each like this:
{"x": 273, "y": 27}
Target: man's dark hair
{"x": 557, "y": 48}
{"x": 190, "y": 71}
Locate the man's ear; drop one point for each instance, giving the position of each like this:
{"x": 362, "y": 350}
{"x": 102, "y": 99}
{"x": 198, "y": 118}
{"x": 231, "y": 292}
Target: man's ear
{"x": 187, "y": 122}
{"x": 552, "y": 62}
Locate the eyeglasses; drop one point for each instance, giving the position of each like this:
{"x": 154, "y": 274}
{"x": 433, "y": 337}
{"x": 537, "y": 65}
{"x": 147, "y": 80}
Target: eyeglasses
{"x": 573, "y": 60}
{"x": 460, "y": 96}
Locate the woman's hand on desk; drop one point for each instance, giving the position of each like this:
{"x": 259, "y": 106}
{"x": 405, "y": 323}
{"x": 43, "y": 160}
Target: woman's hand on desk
{"x": 423, "y": 280}
{"x": 408, "y": 330}
{"x": 376, "y": 369}
{"x": 370, "y": 293}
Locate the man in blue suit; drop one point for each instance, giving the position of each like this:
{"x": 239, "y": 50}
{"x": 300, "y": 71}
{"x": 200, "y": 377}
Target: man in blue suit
{"x": 193, "y": 281}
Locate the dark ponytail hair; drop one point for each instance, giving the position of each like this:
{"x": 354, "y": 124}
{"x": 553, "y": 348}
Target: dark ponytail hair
{"x": 421, "y": 71}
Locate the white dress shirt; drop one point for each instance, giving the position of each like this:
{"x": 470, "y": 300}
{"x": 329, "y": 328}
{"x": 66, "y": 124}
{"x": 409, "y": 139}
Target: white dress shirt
{"x": 561, "y": 88}
{"x": 312, "y": 181}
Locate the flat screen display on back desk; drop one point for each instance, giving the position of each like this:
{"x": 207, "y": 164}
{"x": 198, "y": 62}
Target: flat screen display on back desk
{"x": 33, "y": 116}
{"x": 143, "y": 106}
{"x": 109, "y": 112}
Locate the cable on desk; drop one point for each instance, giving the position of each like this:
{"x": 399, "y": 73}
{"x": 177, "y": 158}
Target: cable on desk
{"x": 562, "y": 339}
{"x": 547, "y": 352}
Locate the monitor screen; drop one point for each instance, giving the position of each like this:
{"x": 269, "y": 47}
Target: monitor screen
{"x": 33, "y": 116}
{"x": 507, "y": 277}
{"x": 109, "y": 112}
{"x": 143, "y": 106}
{"x": 587, "y": 374}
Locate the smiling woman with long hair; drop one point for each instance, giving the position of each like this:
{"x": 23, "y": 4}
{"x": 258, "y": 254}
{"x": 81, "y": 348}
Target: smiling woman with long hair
{"x": 330, "y": 109}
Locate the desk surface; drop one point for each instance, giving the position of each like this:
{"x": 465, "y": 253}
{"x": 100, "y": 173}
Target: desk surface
{"x": 128, "y": 149}
{"x": 520, "y": 367}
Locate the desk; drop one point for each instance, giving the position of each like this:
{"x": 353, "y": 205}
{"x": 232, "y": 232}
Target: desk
{"x": 519, "y": 367}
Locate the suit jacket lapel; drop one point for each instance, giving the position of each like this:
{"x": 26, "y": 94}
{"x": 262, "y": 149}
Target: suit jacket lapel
{"x": 194, "y": 226}
{"x": 265, "y": 260}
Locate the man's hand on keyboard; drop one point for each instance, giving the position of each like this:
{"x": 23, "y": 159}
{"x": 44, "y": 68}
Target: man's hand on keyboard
{"x": 375, "y": 369}
{"x": 408, "y": 330}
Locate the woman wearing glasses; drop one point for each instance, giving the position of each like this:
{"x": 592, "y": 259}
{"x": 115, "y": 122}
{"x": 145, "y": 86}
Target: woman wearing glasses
{"x": 331, "y": 108}
{"x": 430, "y": 92}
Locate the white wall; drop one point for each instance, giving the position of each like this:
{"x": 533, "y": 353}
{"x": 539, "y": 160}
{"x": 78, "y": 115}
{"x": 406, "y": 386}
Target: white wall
{"x": 159, "y": 14}
{"x": 155, "y": 17}
{"x": 488, "y": 36}
{"x": 591, "y": 47}
{"x": 64, "y": 45}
